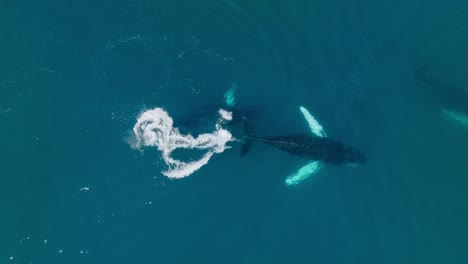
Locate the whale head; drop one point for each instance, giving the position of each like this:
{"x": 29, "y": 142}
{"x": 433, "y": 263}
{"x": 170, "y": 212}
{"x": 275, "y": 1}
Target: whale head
{"x": 354, "y": 157}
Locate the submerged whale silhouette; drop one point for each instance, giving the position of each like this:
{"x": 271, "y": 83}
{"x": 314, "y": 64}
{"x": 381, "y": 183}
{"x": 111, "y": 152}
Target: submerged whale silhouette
{"x": 313, "y": 148}
{"x": 309, "y": 147}
{"x": 317, "y": 148}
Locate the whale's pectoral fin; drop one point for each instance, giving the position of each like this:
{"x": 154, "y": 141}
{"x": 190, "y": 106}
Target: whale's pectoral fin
{"x": 457, "y": 116}
{"x": 303, "y": 173}
{"x": 230, "y": 96}
{"x": 314, "y": 125}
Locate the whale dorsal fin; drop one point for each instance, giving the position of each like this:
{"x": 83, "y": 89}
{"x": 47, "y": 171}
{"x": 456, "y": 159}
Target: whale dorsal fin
{"x": 314, "y": 125}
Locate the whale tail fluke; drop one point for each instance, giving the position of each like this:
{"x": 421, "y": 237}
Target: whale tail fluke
{"x": 248, "y": 136}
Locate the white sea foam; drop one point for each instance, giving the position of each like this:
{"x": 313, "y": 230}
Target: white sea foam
{"x": 154, "y": 128}
{"x": 226, "y": 115}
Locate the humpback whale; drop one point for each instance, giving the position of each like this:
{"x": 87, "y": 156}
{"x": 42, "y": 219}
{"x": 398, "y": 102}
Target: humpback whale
{"x": 313, "y": 148}
{"x": 317, "y": 149}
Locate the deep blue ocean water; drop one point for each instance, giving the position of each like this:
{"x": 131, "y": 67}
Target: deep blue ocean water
{"x": 386, "y": 78}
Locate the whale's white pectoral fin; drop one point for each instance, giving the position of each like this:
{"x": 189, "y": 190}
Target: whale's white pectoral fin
{"x": 303, "y": 173}
{"x": 459, "y": 117}
{"x": 230, "y": 96}
{"x": 312, "y": 167}
{"x": 314, "y": 125}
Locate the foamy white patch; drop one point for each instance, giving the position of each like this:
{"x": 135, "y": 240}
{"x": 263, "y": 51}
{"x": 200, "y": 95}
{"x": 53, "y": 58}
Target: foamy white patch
{"x": 314, "y": 125}
{"x": 226, "y": 115}
{"x": 154, "y": 128}
{"x": 456, "y": 116}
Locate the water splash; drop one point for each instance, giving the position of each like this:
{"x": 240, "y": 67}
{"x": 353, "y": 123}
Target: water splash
{"x": 154, "y": 128}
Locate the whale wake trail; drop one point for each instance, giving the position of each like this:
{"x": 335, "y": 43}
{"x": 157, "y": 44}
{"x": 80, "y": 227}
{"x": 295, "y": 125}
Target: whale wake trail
{"x": 154, "y": 128}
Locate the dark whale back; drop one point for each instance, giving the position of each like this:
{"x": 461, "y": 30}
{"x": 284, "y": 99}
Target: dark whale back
{"x": 316, "y": 148}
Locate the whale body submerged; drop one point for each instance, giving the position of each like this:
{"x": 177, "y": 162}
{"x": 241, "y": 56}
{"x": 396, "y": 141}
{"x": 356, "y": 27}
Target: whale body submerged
{"x": 309, "y": 147}
{"x": 317, "y": 149}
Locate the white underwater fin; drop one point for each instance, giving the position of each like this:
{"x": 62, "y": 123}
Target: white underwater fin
{"x": 230, "y": 96}
{"x": 459, "y": 117}
{"x": 314, "y": 125}
{"x": 303, "y": 173}
{"x": 312, "y": 167}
